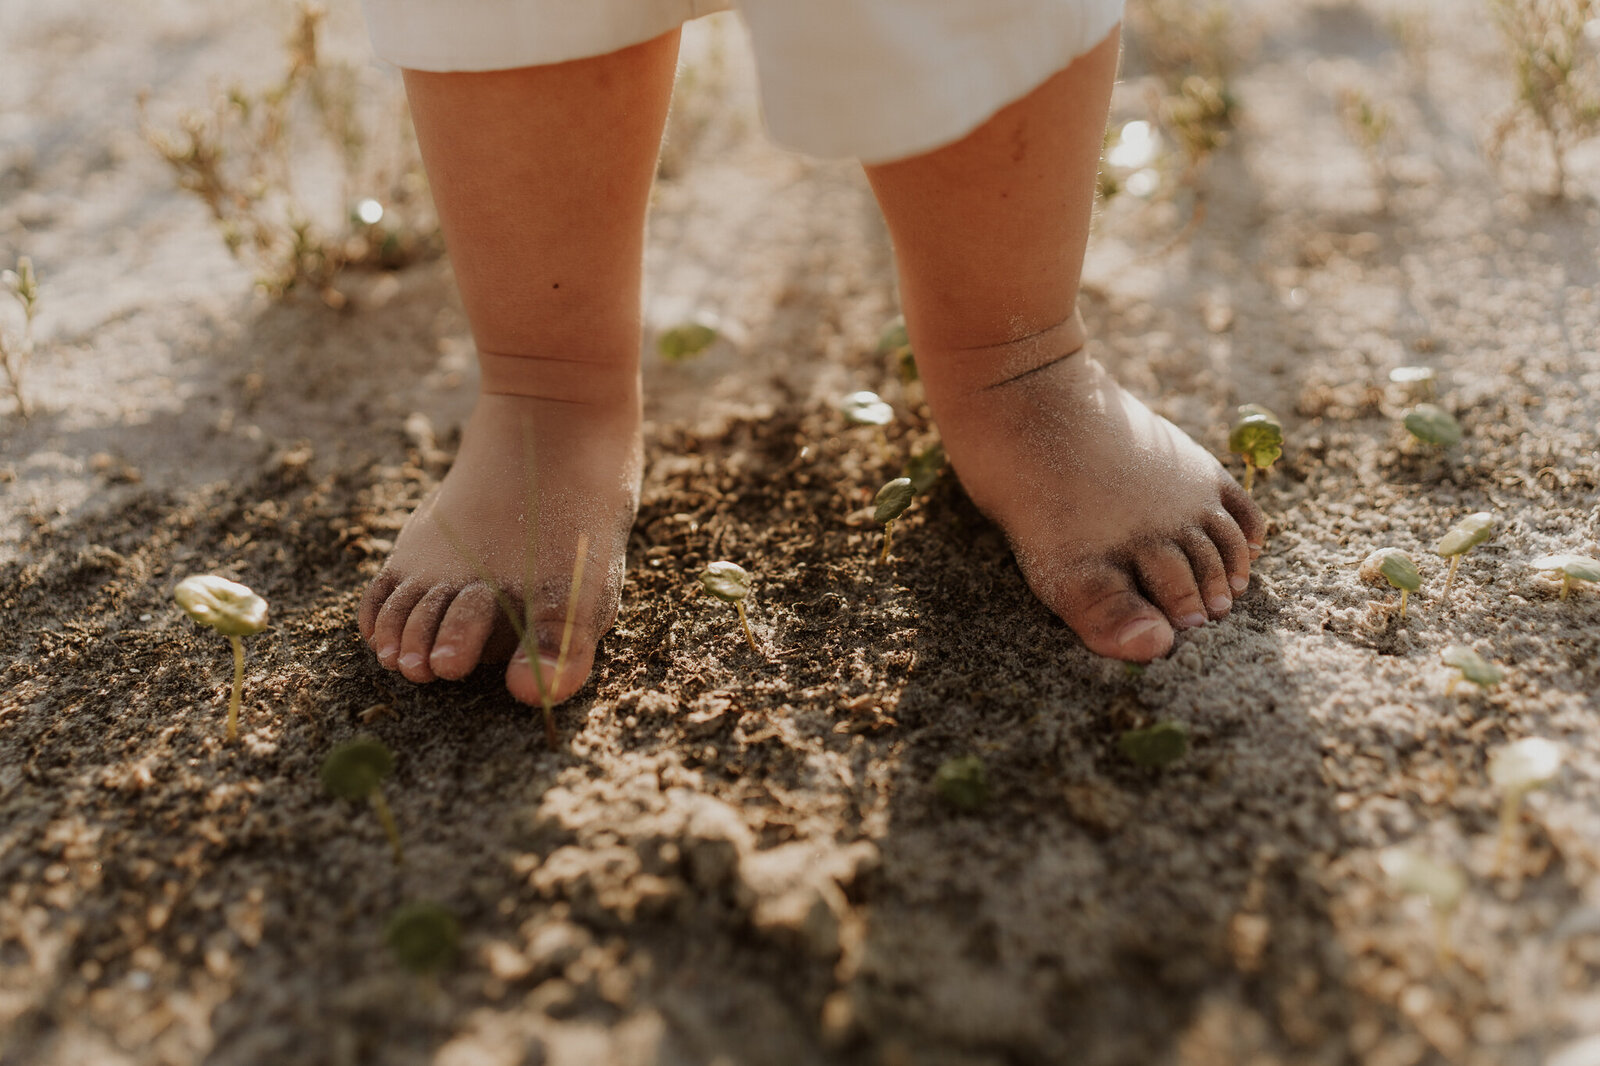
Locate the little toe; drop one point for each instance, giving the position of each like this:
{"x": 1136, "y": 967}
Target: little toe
{"x": 1229, "y": 540}
{"x": 390, "y": 625}
{"x": 1245, "y": 512}
{"x": 1103, "y": 606}
{"x": 372, "y": 602}
{"x": 464, "y": 632}
{"x": 1169, "y": 580}
{"x": 417, "y": 639}
{"x": 1209, "y": 572}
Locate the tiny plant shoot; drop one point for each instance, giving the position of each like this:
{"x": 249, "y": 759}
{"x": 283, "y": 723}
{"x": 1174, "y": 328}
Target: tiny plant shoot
{"x": 233, "y": 611}
{"x": 1472, "y": 666}
{"x": 1442, "y": 886}
{"x": 730, "y": 583}
{"x": 1258, "y": 437}
{"x": 687, "y": 340}
{"x": 1393, "y": 567}
{"x": 923, "y": 468}
{"x": 891, "y": 502}
{"x": 1514, "y": 771}
{"x": 1461, "y": 538}
{"x": 962, "y": 783}
{"x": 24, "y": 286}
{"x": 1570, "y": 567}
{"x": 1432, "y": 424}
{"x": 1416, "y": 381}
{"x": 866, "y": 409}
{"x": 355, "y": 771}
{"x": 1157, "y": 747}
{"x": 894, "y": 341}
{"x": 423, "y": 937}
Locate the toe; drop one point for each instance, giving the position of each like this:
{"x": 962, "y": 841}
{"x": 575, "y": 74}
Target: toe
{"x": 1245, "y": 512}
{"x": 1168, "y": 578}
{"x": 1230, "y": 543}
{"x": 1209, "y": 572}
{"x": 1103, "y": 606}
{"x": 372, "y": 601}
{"x": 417, "y": 639}
{"x": 560, "y": 679}
{"x": 390, "y": 624}
{"x": 464, "y": 632}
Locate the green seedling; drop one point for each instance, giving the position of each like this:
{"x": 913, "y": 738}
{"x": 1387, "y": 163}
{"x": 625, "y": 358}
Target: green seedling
{"x": 1514, "y": 771}
{"x": 1557, "y": 75}
{"x": 1393, "y": 567}
{"x": 234, "y": 611}
{"x": 889, "y": 504}
{"x": 1258, "y": 437}
{"x": 893, "y": 340}
{"x": 687, "y": 340}
{"x": 1418, "y": 381}
{"x": 1442, "y": 886}
{"x": 14, "y": 355}
{"x": 962, "y": 783}
{"x": 1157, "y": 747}
{"x": 730, "y": 583}
{"x": 355, "y": 771}
{"x": 866, "y": 409}
{"x": 923, "y": 468}
{"x": 1570, "y": 567}
{"x": 423, "y": 936}
{"x": 1432, "y": 424}
{"x": 1461, "y": 538}
{"x": 1474, "y": 667}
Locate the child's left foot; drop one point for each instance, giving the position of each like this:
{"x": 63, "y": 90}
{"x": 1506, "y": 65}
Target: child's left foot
{"x": 1122, "y": 525}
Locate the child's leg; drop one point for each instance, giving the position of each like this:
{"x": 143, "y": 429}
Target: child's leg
{"x": 542, "y": 177}
{"x": 1122, "y": 524}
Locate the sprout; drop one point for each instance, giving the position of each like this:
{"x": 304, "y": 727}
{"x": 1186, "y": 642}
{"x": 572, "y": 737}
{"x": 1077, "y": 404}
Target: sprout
{"x": 1517, "y": 769}
{"x": 1258, "y": 437}
{"x": 1415, "y": 380}
{"x": 355, "y": 771}
{"x": 234, "y": 611}
{"x": 1395, "y": 567}
{"x": 1159, "y": 746}
{"x": 1570, "y": 567}
{"x": 891, "y": 502}
{"x": 1474, "y": 667}
{"x": 687, "y": 340}
{"x": 924, "y": 467}
{"x": 1432, "y": 424}
{"x": 866, "y": 409}
{"x": 730, "y": 583}
{"x": 962, "y": 783}
{"x": 1461, "y": 538}
{"x": 423, "y": 936}
{"x": 1442, "y": 886}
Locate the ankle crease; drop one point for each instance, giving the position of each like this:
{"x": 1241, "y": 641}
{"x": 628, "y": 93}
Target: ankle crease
{"x": 591, "y": 382}
{"x": 979, "y": 368}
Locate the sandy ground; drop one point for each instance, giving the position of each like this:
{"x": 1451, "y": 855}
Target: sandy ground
{"x": 739, "y": 858}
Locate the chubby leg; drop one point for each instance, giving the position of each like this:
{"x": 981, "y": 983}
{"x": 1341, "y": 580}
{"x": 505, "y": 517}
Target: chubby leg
{"x": 1124, "y": 526}
{"x": 542, "y": 178}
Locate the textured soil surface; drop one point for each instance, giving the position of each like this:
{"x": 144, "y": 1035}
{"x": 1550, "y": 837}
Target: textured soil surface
{"x": 741, "y": 858}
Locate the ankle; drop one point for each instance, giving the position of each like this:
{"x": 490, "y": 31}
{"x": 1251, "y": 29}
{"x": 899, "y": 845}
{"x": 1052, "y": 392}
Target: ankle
{"x": 954, "y": 373}
{"x": 608, "y": 384}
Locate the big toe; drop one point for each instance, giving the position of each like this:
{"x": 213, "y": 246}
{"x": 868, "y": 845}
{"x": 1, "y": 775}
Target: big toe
{"x": 1103, "y": 605}
{"x": 557, "y": 678}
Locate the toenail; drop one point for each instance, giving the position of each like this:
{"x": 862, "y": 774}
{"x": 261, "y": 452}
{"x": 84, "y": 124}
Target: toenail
{"x": 387, "y": 651}
{"x": 1219, "y": 604}
{"x": 443, "y": 651}
{"x": 1189, "y": 621}
{"x": 1135, "y": 629}
{"x": 411, "y": 660}
{"x": 1239, "y": 583}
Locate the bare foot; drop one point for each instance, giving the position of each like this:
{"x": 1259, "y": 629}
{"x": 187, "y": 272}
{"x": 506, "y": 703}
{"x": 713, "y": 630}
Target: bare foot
{"x": 431, "y": 614}
{"x": 1121, "y": 524}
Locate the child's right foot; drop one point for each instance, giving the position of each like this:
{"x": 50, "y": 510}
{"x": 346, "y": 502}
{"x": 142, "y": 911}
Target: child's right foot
{"x": 431, "y": 614}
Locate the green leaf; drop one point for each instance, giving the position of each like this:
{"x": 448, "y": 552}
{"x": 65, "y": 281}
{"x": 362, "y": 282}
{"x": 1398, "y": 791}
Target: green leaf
{"x": 357, "y": 767}
{"x": 1466, "y": 534}
{"x": 962, "y": 783}
{"x": 728, "y": 582}
{"x": 1576, "y": 567}
{"x": 892, "y": 500}
{"x": 866, "y": 409}
{"x": 1161, "y": 745}
{"x": 1393, "y": 566}
{"x": 423, "y": 936}
{"x": 228, "y": 607}
{"x": 1432, "y": 424}
{"x": 893, "y": 336}
{"x": 685, "y": 341}
{"x": 1257, "y": 435}
{"x": 924, "y": 467}
{"x": 1473, "y": 667}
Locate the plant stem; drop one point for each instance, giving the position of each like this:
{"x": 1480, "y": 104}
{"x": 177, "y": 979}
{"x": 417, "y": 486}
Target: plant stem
{"x": 888, "y": 537}
{"x": 238, "y": 687}
{"x": 572, "y": 602}
{"x": 380, "y": 807}
{"x": 1403, "y": 604}
{"x": 744, "y": 620}
{"x": 1249, "y": 475}
{"x": 1566, "y": 585}
{"x": 1449, "y": 579}
{"x": 529, "y": 639}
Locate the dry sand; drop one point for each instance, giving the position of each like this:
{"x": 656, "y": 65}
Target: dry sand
{"x": 739, "y": 858}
